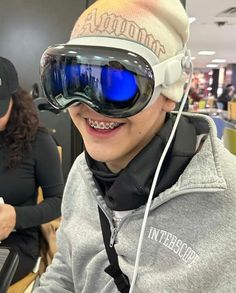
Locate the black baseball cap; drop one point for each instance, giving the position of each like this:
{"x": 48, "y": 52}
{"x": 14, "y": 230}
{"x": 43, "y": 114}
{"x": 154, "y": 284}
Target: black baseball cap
{"x": 8, "y": 84}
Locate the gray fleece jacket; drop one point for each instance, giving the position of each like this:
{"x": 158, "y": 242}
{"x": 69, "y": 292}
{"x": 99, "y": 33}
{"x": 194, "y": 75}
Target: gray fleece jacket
{"x": 190, "y": 239}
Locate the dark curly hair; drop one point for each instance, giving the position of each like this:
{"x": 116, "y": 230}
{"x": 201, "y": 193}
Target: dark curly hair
{"x": 21, "y": 128}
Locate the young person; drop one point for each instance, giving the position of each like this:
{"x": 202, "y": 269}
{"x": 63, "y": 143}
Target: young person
{"x": 226, "y": 96}
{"x": 28, "y": 159}
{"x": 130, "y": 58}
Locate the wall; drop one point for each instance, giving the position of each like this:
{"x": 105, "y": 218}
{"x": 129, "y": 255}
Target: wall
{"x": 27, "y": 28}
{"x": 183, "y": 2}
{"x": 230, "y": 74}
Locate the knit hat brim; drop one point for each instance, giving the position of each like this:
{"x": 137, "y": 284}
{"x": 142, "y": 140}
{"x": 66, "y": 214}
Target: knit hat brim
{"x": 160, "y": 25}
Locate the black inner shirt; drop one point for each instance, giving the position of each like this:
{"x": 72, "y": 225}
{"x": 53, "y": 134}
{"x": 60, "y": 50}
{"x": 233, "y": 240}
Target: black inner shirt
{"x": 129, "y": 189}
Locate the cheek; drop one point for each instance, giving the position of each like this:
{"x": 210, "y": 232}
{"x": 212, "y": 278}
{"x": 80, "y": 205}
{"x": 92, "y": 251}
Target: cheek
{"x": 72, "y": 112}
{"x": 3, "y": 123}
{"x": 139, "y": 132}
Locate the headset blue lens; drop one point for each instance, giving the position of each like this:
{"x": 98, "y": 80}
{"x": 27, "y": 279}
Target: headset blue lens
{"x": 118, "y": 85}
{"x": 110, "y": 81}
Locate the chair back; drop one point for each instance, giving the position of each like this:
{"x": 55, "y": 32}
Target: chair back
{"x": 220, "y": 125}
{"x": 232, "y": 110}
{"x": 229, "y": 138}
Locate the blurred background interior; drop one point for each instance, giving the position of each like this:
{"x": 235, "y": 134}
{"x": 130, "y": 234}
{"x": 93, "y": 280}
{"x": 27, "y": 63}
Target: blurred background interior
{"x": 28, "y": 27}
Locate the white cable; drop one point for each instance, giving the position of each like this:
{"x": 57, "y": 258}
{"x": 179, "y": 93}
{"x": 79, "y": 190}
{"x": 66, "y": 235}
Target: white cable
{"x": 150, "y": 197}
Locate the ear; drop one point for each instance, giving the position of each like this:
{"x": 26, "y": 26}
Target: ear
{"x": 168, "y": 105}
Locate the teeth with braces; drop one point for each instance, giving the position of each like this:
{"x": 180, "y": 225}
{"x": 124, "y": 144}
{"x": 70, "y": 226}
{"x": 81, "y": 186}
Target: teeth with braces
{"x": 102, "y": 125}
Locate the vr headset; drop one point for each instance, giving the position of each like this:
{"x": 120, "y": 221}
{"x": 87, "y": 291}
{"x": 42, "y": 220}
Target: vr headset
{"x": 115, "y": 77}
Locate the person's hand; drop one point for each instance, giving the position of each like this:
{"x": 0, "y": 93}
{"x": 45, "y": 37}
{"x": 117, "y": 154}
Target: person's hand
{"x": 7, "y": 220}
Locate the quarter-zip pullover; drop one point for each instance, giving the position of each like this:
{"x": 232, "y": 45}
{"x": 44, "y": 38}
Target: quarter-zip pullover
{"x": 189, "y": 242}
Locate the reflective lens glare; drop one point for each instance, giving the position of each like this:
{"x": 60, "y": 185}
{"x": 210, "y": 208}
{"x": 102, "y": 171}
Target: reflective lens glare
{"x": 111, "y": 82}
{"x": 118, "y": 85}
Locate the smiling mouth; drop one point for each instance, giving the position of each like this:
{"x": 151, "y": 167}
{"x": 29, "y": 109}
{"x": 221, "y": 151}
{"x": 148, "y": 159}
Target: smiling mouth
{"x": 103, "y": 125}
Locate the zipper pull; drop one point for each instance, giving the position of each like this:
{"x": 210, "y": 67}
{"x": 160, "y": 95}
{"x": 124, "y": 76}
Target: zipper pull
{"x": 113, "y": 237}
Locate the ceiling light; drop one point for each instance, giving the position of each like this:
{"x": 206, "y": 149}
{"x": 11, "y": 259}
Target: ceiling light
{"x": 191, "y": 19}
{"x": 212, "y": 65}
{"x": 218, "y": 60}
{"x": 206, "y": 53}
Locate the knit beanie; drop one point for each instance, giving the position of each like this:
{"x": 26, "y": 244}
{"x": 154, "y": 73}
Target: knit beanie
{"x": 160, "y": 25}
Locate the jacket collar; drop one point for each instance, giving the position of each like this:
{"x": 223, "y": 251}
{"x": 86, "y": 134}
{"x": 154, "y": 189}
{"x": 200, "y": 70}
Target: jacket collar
{"x": 204, "y": 172}
{"x": 130, "y": 188}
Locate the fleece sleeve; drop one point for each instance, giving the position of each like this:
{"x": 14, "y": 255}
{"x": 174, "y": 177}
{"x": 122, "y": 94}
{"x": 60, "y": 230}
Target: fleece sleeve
{"x": 58, "y": 276}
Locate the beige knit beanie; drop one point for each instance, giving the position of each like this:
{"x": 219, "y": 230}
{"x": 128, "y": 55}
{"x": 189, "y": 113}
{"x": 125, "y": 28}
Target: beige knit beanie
{"x": 160, "y": 25}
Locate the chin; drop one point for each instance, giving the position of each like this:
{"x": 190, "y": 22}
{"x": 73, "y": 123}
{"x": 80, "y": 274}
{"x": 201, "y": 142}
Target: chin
{"x": 97, "y": 155}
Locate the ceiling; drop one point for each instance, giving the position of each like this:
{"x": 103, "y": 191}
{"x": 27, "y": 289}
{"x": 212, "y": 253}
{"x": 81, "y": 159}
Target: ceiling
{"x": 206, "y": 34}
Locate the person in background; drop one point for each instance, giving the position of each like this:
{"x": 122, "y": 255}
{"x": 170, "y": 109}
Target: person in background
{"x": 136, "y": 160}
{"x": 28, "y": 159}
{"x": 226, "y": 96}
{"x": 194, "y": 96}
